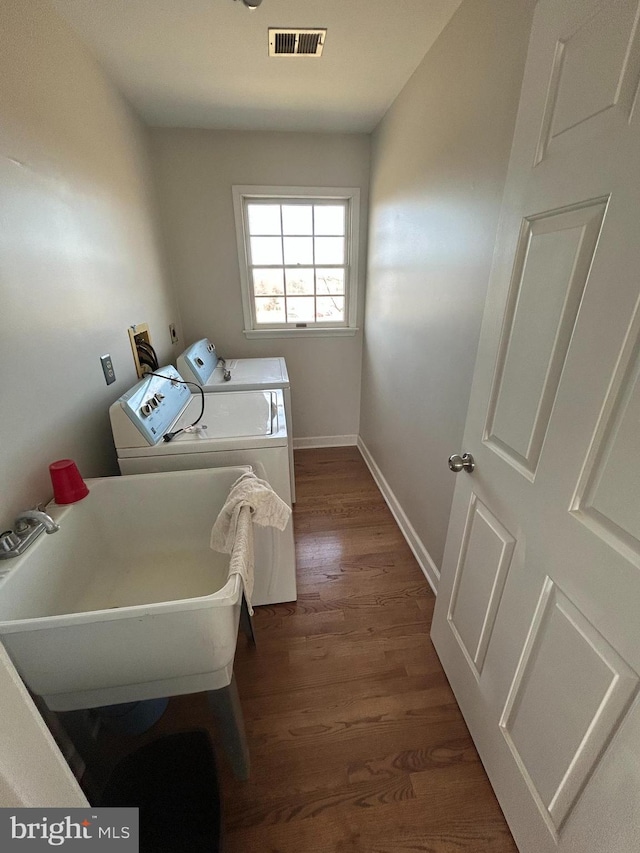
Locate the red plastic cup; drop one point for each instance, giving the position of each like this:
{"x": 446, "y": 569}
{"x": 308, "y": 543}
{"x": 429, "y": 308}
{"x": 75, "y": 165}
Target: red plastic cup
{"x": 68, "y": 485}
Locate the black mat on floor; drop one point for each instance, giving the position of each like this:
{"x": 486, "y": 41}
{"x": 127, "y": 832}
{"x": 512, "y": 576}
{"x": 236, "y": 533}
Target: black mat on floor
{"x": 173, "y": 781}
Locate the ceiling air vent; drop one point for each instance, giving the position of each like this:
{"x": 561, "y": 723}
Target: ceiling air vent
{"x": 296, "y": 42}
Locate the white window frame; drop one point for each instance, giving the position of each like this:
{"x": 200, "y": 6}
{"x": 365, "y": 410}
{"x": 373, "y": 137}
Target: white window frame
{"x": 244, "y": 194}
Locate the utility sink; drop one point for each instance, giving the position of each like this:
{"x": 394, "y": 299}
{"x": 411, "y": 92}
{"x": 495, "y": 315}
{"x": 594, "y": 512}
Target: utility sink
{"x": 126, "y": 601}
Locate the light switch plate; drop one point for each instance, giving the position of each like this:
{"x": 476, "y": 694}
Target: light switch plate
{"x": 107, "y": 369}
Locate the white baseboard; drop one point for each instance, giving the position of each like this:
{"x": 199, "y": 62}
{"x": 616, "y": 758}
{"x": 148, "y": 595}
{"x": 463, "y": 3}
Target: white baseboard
{"x": 325, "y": 441}
{"x": 429, "y": 568}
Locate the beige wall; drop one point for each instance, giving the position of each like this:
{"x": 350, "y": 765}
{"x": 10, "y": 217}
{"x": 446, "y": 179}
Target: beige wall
{"x": 439, "y": 160}
{"x": 195, "y": 170}
{"x": 79, "y": 259}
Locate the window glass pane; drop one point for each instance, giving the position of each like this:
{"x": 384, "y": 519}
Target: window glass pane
{"x": 268, "y": 282}
{"x": 329, "y": 219}
{"x": 330, "y": 281}
{"x": 329, "y": 250}
{"x": 266, "y": 250}
{"x": 298, "y": 250}
{"x": 264, "y": 218}
{"x": 300, "y": 309}
{"x": 330, "y": 309}
{"x": 270, "y": 309}
{"x": 297, "y": 219}
{"x": 299, "y": 282}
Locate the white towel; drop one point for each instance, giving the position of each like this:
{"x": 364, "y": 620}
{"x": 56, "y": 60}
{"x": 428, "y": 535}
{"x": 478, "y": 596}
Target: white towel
{"x": 242, "y": 560}
{"x": 231, "y": 532}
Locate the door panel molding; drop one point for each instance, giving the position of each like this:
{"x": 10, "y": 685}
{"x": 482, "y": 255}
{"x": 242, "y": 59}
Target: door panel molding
{"x": 564, "y": 648}
{"x": 483, "y": 565}
{"x": 580, "y": 89}
{"x": 601, "y": 500}
{"x": 552, "y": 263}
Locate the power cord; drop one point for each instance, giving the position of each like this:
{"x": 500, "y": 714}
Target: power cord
{"x": 169, "y": 436}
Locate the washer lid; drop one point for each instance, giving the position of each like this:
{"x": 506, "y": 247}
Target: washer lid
{"x": 268, "y": 372}
{"x": 235, "y": 421}
{"x": 243, "y": 413}
{"x": 199, "y": 363}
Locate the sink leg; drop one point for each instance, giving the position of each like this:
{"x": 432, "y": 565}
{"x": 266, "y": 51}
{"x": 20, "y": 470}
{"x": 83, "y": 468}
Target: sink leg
{"x": 246, "y": 621}
{"x": 225, "y": 704}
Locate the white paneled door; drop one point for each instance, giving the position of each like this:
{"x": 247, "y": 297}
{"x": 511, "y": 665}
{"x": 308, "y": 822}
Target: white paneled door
{"x": 537, "y": 621}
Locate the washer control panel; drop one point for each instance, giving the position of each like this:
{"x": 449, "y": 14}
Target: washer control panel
{"x": 201, "y": 359}
{"x": 155, "y": 402}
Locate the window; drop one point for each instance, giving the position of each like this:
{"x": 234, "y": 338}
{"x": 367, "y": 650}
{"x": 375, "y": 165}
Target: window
{"x": 298, "y": 259}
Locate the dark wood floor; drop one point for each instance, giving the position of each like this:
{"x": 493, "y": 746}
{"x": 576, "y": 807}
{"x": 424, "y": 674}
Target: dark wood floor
{"x": 357, "y": 744}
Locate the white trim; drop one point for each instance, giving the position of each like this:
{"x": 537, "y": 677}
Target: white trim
{"x": 429, "y": 568}
{"x": 243, "y": 263}
{"x": 329, "y": 332}
{"x": 294, "y": 192}
{"x": 352, "y": 236}
{"x": 325, "y": 441}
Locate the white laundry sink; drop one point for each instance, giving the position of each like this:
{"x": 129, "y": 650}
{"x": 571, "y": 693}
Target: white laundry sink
{"x": 126, "y": 601}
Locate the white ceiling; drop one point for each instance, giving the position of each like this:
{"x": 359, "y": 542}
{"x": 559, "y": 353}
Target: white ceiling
{"x": 204, "y": 63}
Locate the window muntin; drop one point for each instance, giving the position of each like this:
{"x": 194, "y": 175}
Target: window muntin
{"x": 299, "y": 259}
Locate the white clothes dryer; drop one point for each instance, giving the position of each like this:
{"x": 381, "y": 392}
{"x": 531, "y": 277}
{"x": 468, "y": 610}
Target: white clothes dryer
{"x": 240, "y": 428}
{"x": 201, "y": 363}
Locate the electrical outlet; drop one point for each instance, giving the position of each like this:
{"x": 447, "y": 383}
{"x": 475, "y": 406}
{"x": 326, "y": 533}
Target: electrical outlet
{"x": 107, "y": 369}
{"x": 173, "y": 333}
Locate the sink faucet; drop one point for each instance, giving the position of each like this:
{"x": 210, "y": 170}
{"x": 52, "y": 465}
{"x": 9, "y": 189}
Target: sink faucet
{"x": 28, "y": 526}
{"x": 35, "y": 516}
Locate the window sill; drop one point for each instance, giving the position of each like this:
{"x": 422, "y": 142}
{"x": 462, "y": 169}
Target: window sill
{"x": 336, "y": 332}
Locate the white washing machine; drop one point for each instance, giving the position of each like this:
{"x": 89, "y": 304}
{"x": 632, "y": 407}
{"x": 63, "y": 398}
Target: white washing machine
{"x": 200, "y": 363}
{"x": 242, "y": 428}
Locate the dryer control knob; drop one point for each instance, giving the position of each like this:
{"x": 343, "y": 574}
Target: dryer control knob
{"x": 145, "y": 410}
{"x": 153, "y": 402}
{"x": 159, "y": 397}
{"x": 199, "y": 362}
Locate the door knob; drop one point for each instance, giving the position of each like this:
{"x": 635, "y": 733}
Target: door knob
{"x": 457, "y": 463}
